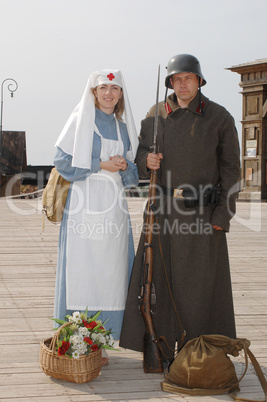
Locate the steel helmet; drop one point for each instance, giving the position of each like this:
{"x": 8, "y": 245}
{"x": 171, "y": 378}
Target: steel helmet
{"x": 183, "y": 63}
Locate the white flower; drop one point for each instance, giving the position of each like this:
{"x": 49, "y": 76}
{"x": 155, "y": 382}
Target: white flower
{"x": 77, "y": 342}
{"x": 75, "y": 339}
{"x": 110, "y": 341}
{"x": 75, "y": 317}
{"x": 102, "y": 339}
{"x": 75, "y": 354}
{"x": 96, "y": 337}
{"x": 93, "y": 336}
{"x": 83, "y": 331}
{"x": 81, "y": 348}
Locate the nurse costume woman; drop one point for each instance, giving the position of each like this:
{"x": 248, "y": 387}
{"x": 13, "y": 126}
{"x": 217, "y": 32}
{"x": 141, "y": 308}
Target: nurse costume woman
{"x": 96, "y": 251}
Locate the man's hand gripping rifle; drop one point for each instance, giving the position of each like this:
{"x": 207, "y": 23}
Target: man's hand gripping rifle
{"x": 151, "y": 358}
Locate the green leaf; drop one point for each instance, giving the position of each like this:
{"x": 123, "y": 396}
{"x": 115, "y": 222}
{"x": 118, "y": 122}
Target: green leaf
{"x": 61, "y": 322}
{"x": 109, "y": 347}
{"x": 97, "y": 327}
{"x": 69, "y": 331}
{"x": 94, "y": 318}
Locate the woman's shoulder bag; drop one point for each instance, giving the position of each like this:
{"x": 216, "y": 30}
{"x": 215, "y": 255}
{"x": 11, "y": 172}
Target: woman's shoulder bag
{"x": 55, "y": 196}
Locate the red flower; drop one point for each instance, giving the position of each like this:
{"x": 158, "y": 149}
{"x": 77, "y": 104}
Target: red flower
{"x": 61, "y": 351}
{"x": 63, "y": 348}
{"x": 94, "y": 348}
{"x": 88, "y": 340}
{"x": 85, "y": 323}
{"x": 92, "y": 324}
{"x": 89, "y": 325}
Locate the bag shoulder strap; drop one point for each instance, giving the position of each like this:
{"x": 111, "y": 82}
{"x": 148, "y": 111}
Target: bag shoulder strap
{"x": 169, "y": 386}
{"x": 260, "y": 375}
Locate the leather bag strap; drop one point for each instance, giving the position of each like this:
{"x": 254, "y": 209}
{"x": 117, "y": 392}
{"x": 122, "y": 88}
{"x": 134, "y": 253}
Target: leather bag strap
{"x": 260, "y": 375}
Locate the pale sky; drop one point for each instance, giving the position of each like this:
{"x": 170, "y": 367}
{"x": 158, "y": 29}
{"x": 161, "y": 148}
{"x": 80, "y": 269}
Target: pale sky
{"x": 50, "y": 47}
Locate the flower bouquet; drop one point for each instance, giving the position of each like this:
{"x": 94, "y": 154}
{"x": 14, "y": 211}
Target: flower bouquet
{"x": 74, "y": 353}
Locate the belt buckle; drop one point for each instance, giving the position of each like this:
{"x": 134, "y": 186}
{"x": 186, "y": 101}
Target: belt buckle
{"x": 178, "y": 193}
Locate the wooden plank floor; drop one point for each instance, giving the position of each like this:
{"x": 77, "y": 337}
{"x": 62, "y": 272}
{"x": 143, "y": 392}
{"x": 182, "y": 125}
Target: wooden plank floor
{"x": 27, "y": 278}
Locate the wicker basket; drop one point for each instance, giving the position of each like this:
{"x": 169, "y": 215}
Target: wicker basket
{"x": 80, "y": 370}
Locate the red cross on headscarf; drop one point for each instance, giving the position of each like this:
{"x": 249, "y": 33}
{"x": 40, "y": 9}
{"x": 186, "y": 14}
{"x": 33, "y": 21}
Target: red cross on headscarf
{"x": 111, "y": 76}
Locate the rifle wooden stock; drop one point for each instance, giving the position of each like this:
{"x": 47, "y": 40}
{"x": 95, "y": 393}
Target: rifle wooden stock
{"x": 152, "y": 358}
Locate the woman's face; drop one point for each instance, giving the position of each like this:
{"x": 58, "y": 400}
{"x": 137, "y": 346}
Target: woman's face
{"x": 108, "y": 96}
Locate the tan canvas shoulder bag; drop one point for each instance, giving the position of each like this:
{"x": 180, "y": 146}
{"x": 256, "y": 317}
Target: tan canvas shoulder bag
{"x": 55, "y": 196}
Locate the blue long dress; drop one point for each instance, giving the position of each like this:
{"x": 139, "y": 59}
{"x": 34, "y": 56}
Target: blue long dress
{"x": 107, "y": 126}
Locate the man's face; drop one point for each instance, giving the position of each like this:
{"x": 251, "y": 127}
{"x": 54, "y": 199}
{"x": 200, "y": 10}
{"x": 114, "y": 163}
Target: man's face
{"x": 185, "y": 86}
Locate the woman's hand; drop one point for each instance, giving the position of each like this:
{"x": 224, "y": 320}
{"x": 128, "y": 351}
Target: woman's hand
{"x": 119, "y": 161}
{"x": 114, "y": 164}
{"x": 153, "y": 161}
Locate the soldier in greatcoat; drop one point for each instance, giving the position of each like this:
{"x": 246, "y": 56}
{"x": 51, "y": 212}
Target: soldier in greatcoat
{"x": 198, "y": 170}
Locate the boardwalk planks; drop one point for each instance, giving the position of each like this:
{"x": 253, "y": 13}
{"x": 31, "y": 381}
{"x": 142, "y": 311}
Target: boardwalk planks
{"x": 27, "y": 278}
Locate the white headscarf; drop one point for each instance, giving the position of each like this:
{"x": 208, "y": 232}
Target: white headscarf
{"x": 76, "y": 138}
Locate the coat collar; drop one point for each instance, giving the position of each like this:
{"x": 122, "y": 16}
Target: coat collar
{"x": 171, "y": 104}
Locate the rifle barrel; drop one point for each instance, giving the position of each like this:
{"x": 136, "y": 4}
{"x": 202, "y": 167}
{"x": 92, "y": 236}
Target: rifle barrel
{"x": 151, "y": 358}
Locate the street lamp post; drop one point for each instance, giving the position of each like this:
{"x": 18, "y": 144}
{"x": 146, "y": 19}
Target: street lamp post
{"x": 10, "y": 87}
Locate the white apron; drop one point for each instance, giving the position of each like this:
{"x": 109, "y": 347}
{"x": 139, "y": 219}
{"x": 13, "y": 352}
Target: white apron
{"x": 97, "y": 238}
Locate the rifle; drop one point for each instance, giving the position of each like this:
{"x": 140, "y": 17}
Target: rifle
{"x": 152, "y": 360}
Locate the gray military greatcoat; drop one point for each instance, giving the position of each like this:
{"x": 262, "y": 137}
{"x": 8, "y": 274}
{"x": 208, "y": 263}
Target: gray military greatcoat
{"x": 198, "y": 151}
